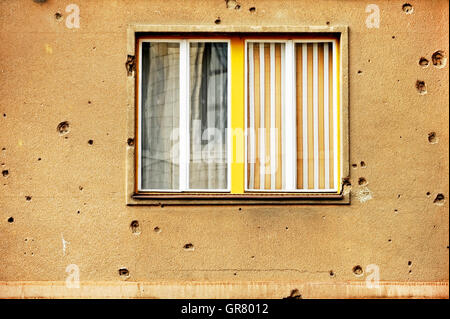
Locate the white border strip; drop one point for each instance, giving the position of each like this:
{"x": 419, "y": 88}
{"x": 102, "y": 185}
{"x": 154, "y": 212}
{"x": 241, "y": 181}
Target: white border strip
{"x": 273, "y": 149}
{"x": 316, "y": 113}
{"x": 335, "y": 117}
{"x": 305, "y": 115}
{"x": 290, "y": 119}
{"x": 262, "y": 144}
{"x": 326, "y": 119}
{"x": 184, "y": 116}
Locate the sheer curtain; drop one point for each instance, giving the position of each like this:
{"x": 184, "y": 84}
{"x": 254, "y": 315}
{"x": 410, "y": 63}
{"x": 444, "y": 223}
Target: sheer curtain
{"x": 160, "y": 115}
{"x": 208, "y": 115}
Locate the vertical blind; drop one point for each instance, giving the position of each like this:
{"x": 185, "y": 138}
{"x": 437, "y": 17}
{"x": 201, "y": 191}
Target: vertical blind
{"x": 304, "y": 75}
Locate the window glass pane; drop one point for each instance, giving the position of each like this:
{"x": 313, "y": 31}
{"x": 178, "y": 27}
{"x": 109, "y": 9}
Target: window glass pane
{"x": 160, "y": 115}
{"x": 208, "y": 115}
{"x": 269, "y": 127}
{"x": 315, "y": 119}
{"x": 265, "y": 78}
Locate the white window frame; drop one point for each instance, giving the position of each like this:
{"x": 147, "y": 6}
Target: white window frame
{"x": 184, "y": 125}
{"x": 289, "y": 108}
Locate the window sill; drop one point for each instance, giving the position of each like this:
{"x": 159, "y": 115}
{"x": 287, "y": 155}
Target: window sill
{"x": 161, "y": 199}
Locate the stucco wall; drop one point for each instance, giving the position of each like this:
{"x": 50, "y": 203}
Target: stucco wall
{"x": 66, "y": 197}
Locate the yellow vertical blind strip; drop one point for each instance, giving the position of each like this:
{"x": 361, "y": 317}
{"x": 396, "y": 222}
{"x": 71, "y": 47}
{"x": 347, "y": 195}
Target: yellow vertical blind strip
{"x": 237, "y": 116}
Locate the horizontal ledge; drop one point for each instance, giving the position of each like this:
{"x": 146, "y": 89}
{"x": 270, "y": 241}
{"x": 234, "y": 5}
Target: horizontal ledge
{"x": 238, "y": 199}
{"x": 227, "y": 290}
{"x": 236, "y": 28}
{"x": 246, "y": 196}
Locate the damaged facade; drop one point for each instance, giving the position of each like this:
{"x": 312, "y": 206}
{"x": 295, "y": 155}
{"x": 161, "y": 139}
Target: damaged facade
{"x": 74, "y": 220}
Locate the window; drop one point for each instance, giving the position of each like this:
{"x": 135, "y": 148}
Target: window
{"x": 239, "y": 116}
{"x": 292, "y": 116}
{"x": 184, "y": 110}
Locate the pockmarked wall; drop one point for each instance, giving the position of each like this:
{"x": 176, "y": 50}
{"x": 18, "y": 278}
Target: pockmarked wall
{"x": 65, "y": 228}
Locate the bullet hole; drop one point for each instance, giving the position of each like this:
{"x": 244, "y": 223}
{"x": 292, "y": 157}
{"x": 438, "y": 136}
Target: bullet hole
{"x": 363, "y": 164}
{"x": 162, "y": 205}
{"x": 11, "y": 220}
{"x": 362, "y": 181}
{"x": 89, "y": 102}
{"x": 28, "y": 198}
{"x": 432, "y": 138}
{"x": 58, "y": 16}
{"x": 157, "y": 229}
{"x": 287, "y": 228}
{"x": 130, "y": 65}
{"x": 252, "y": 9}
{"x": 393, "y": 37}
{"x": 39, "y": 158}
{"x": 130, "y": 141}
{"x": 423, "y": 62}
{"x": 124, "y": 273}
{"x": 188, "y": 247}
{"x": 63, "y": 128}
{"x": 407, "y": 8}
{"x": 90, "y": 142}
{"x": 5, "y": 173}
{"x": 357, "y": 270}
{"x": 332, "y": 274}
{"x": 396, "y": 211}
{"x": 410, "y": 271}
{"x": 78, "y": 212}
{"x": 217, "y": 21}
{"x": 235, "y": 274}
{"x": 252, "y": 257}
{"x": 439, "y": 59}
{"x": 232, "y": 4}
{"x": 346, "y": 182}
{"x": 135, "y": 227}
{"x": 428, "y": 194}
{"x": 4, "y": 114}
{"x": 354, "y": 165}
{"x": 421, "y": 87}
{"x": 328, "y": 23}
{"x": 359, "y": 71}
{"x": 389, "y": 240}
{"x": 239, "y": 208}
{"x": 439, "y": 200}
{"x": 399, "y": 195}
{"x": 295, "y": 294}
{"x": 80, "y": 188}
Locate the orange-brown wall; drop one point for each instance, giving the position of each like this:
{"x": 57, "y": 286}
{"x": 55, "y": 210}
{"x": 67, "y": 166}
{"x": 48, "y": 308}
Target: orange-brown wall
{"x": 50, "y": 74}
